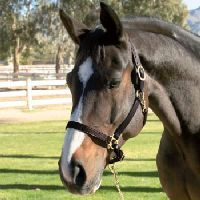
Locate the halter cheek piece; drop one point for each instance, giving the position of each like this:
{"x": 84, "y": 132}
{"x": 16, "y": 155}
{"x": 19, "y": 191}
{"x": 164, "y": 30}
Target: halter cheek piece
{"x": 111, "y": 142}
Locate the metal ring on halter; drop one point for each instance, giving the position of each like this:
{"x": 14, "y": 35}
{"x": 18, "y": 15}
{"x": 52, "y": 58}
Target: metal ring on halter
{"x": 112, "y": 141}
{"x": 140, "y": 71}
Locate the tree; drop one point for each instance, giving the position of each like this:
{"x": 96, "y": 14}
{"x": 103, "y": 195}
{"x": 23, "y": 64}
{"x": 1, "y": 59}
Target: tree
{"x": 169, "y": 10}
{"x": 33, "y": 26}
{"x": 51, "y": 34}
{"x": 19, "y": 22}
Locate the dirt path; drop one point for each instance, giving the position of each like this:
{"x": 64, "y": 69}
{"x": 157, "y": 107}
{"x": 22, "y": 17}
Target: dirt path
{"x": 39, "y": 114}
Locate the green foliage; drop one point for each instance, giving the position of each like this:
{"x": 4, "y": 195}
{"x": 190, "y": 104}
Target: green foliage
{"x": 170, "y": 10}
{"x": 18, "y": 26}
{"x": 4, "y": 42}
{"x": 36, "y": 24}
{"x": 29, "y": 164}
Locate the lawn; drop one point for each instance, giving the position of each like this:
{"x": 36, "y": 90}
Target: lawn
{"x": 29, "y": 154}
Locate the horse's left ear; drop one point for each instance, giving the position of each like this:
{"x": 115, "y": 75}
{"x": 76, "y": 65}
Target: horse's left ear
{"x": 111, "y": 22}
{"x": 74, "y": 28}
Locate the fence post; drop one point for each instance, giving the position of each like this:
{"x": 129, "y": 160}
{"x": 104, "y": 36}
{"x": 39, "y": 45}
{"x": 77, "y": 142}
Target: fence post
{"x": 29, "y": 99}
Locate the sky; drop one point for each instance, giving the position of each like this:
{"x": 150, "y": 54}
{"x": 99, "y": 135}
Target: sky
{"x": 192, "y": 4}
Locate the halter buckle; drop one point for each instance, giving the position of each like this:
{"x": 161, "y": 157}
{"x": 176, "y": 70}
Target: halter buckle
{"x": 112, "y": 142}
{"x": 140, "y": 71}
{"x": 140, "y": 96}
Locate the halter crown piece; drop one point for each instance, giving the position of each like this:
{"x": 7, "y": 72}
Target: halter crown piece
{"x": 111, "y": 143}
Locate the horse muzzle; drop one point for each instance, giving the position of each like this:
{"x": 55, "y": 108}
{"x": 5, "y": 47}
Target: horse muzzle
{"x": 77, "y": 180}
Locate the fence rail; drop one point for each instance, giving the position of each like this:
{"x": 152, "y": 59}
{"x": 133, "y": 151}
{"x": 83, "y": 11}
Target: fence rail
{"x": 30, "y": 89}
{"x": 36, "y": 72}
{"x": 34, "y": 76}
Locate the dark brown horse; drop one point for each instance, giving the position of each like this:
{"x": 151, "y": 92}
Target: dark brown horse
{"x": 103, "y": 93}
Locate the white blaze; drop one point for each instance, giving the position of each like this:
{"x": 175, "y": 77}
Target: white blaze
{"x": 74, "y": 138}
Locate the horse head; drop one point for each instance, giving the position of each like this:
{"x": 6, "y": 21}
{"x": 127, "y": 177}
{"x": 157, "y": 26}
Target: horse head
{"x": 103, "y": 93}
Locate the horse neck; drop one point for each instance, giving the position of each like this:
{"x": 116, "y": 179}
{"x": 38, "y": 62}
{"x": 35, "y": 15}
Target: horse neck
{"x": 173, "y": 81}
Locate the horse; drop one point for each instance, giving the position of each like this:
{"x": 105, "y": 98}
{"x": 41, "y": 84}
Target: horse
{"x": 143, "y": 61}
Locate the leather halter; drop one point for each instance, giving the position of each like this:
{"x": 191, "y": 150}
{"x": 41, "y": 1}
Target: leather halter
{"x": 111, "y": 142}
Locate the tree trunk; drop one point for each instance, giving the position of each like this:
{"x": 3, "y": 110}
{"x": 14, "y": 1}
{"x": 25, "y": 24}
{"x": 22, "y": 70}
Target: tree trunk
{"x": 16, "y": 56}
{"x": 15, "y": 47}
{"x": 59, "y": 60}
{"x": 16, "y": 61}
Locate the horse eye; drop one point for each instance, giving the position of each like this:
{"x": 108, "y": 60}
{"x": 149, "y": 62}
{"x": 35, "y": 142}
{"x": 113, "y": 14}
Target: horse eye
{"x": 115, "y": 61}
{"x": 114, "y": 83}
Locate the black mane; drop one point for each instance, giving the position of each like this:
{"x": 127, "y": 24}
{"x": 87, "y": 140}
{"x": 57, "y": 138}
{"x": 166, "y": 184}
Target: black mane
{"x": 149, "y": 24}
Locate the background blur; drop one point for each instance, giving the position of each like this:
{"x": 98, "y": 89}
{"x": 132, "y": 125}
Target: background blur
{"x": 31, "y": 33}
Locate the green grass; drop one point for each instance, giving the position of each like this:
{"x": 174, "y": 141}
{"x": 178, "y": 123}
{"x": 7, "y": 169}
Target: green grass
{"x": 29, "y": 155}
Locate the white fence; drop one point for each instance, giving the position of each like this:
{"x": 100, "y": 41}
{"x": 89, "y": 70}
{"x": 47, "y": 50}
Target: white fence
{"x": 43, "y": 68}
{"x": 36, "y": 72}
{"x": 34, "y": 76}
{"x": 30, "y": 89}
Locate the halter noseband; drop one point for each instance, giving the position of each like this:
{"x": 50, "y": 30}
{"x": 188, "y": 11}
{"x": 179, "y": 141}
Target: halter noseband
{"x": 111, "y": 142}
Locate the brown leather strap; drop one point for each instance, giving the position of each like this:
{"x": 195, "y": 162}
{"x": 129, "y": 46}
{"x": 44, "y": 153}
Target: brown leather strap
{"x": 120, "y": 129}
{"x": 103, "y": 138}
{"x": 135, "y": 56}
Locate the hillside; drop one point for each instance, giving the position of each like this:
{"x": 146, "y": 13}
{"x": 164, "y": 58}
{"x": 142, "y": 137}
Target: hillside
{"x": 194, "y": 20}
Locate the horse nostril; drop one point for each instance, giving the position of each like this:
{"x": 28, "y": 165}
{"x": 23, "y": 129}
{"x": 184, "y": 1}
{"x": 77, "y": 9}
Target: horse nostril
{"x": 78, "y": 173}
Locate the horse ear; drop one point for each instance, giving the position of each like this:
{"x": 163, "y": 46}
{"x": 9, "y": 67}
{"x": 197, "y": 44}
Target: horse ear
{"x": 74, "y": 28}
{"x": 110, "y": 21}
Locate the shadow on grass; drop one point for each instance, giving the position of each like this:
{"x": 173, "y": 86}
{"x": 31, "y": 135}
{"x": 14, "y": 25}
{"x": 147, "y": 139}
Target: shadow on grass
{"x": 153, "y": 133}
{"x": 138, "y": 159}
{"x": 30, "y": 187}
{"x": 57, "y": 187}
{"x": 24, "y": 171}
{"x": 27, "y": 156}
{"x": 134, "y": 189}
{"x": 135, "y": 174}
{"x": 35, "y": 132}
{"x": 154, "y": 120}
{"x": 50, "y": 172}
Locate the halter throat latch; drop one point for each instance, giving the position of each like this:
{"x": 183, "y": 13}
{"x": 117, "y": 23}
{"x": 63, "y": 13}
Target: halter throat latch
{"x": 140, "y": 96}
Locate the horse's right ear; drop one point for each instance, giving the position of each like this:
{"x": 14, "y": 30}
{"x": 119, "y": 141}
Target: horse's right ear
{"x": 111, "y": 22}
{"x": 75, "y": 29}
